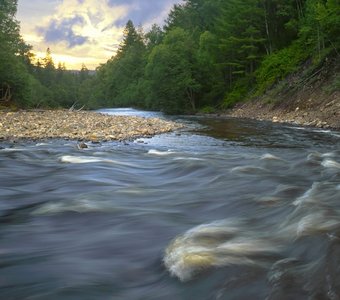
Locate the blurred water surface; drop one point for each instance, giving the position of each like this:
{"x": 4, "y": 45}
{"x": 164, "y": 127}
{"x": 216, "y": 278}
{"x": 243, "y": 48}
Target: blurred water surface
{"x": 225, "y": 209}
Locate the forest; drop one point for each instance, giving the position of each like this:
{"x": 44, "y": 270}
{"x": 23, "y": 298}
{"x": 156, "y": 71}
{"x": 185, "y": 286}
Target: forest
{"x": 208, "y": 55}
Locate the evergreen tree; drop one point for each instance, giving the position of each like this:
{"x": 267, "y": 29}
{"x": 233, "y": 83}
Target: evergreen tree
{"x": 154, "y": 37}
{"x": 170, "y": 73}
{"x": 123, "y": 73}
{"x": 84, "y": 73}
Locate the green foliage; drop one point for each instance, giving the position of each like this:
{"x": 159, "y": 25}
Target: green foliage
{"x": 278, "y": 65}
{"x": 207, "y": 110}
{"x": 13, "y": 72}
{"x": 154, "y": 37}
{"x": 216, "y": 53}
{"x": 320, "y": 29}
{"x": 122, "y": 75}
{"x": 239, "y": 92}
{"x": 210, "y": 53}
{"x": 170, "y": 73}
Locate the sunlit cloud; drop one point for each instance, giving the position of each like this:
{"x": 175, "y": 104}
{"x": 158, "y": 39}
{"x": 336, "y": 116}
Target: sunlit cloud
{"x": 84, "y": 31}
{"x": 63, "y": 30}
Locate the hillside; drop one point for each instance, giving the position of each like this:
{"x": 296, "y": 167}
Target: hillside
{"x": 309, "y": 97}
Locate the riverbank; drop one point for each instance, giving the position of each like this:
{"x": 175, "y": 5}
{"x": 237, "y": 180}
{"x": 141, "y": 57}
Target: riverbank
{"x": 309, "y": 97}
{"x": 321, "y": 114}
{"x": 79, "y": 125}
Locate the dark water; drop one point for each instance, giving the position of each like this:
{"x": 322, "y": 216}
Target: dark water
{"x": 229, "y": 209}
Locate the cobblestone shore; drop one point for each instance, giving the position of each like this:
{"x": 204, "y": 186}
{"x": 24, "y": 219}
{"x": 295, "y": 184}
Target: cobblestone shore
{"x": 82, "y": 125}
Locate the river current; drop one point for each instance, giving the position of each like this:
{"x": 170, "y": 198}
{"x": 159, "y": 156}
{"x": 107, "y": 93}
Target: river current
{"x": 223, "y": 209}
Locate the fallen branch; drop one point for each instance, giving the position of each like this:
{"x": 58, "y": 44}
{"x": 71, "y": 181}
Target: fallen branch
{"x": 72, "y": 108}
{"x": 5, "y": 92}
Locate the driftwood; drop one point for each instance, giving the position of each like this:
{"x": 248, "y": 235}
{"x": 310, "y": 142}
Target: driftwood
{"x": 72, "y": 108}
{"x": 5, "y": 93}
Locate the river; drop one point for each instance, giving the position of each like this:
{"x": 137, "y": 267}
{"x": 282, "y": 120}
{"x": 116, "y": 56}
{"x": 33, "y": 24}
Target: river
{"x": 223, "y": 209}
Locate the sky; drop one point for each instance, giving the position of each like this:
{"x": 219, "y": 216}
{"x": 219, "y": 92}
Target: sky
{"x": 84, "y": 31}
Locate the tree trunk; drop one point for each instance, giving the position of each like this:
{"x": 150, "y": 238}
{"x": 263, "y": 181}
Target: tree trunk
{"x": 191, "y": 97}
{"x": 6, "y": 95}
{"x": 269, "y": 48}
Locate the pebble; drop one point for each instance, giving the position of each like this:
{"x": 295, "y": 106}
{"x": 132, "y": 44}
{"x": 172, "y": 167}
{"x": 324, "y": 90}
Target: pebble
{"x": 81, "y": 126}
{"x": 82, "y": 146}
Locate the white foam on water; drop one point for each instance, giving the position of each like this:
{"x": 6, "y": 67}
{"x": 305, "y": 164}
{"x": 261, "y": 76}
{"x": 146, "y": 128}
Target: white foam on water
{"x": 269, "y": 200}
{"x": 186, "y": 262}
{"x": 237, "y": 242}
{"x": 230, "y": 226}
{"x": 13, "y": 149}
{"x": 189, "y": 158}
{"x": 77, "y": 205}
{"x": 136, "y": 190}
{"x": 316, "y": 212}
{"x": 160, "y": 153}
{"x": 314, "y": 156}
{"x": 91, "y": 159}
{"x": 329, "y": 154}
{"x": 329, "y": 163}
{"x": 308, "y": 195}
{"x": 247, "y": 246}
{"x": 315, "y": 223}
{"x": 80, "y": 159}
{"x": 217, "y": 244}
{"x": 268, "y": 156}
{"x": 322, "y": 130}
{"x": 297, "y": 128}
{"x": 249, "y": 170}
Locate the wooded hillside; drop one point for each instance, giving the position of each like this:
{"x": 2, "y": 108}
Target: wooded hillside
{"x": 209, "y": 55}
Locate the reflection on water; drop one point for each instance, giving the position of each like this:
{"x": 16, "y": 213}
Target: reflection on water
{"x": 235, "y": 209}
{"x": 131, "y": 112}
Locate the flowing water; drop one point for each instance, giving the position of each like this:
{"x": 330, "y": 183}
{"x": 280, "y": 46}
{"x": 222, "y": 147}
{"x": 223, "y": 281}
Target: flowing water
{"x": 224, "y": 209}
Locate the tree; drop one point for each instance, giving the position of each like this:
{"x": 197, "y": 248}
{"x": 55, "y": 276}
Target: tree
{"x": 84, "y": 73}
{"x": 321, "y": 26}
{"x": 130, "y": 38}
{"x": 123, "y": 73}
{"x": 214, "y": 53}
{"x": 9, "y": 26}
{"x": 172, "y": 86}
{"x": 14, "y": 76}
{"x": 48, "y": 74}
{"x": 154, "y": 37}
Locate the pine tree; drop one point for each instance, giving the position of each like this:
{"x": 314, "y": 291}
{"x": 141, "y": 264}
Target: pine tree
{"x": 130, "y": 38}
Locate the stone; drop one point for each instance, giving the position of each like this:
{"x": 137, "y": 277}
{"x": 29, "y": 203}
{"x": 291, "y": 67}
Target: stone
{"x": 83, "y": 125}
{"x": 82, "y": 146}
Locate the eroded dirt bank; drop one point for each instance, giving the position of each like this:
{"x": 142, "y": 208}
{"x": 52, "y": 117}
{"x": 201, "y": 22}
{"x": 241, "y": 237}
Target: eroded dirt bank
{"x": 309, "y": 98}
{"x": 323, "y": 114}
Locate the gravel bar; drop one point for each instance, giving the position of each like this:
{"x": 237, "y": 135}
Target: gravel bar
{"x": 79, "y": 125}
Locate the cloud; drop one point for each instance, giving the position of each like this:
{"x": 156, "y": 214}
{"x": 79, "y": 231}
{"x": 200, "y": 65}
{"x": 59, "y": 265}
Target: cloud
{"x": 79, "y": 30}
{"x": 86, "y": 31}
{"x": 62, "y": 30}
{"x": 144, "y": 12}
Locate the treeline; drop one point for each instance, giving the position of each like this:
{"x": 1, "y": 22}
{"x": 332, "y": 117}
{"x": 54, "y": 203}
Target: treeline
{"x": 213, "y": 53}
{"x": 29, "y": 84}
{"x": 59, "y": 87}
{"x": 209, "y": 54}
